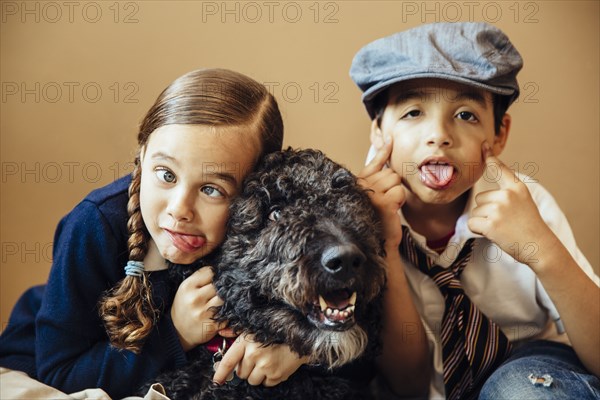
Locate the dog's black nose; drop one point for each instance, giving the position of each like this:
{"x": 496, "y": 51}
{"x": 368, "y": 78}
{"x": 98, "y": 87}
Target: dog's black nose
{"x": 340, "y": 258}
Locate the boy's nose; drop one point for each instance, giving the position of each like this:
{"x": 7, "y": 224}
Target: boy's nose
{"x": 439, "y": 135}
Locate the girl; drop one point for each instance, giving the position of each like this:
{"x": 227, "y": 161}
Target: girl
{"x": 98, "y": 325}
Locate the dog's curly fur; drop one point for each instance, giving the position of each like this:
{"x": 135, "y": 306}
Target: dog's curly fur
{"x": 296, "y": 210}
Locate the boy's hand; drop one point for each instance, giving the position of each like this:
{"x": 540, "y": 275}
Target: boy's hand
{"x": 508, "y": 216}
{"x": 258, "y": 364}
{"x": 192, "y": 312}
{"x": 386, "y": 192}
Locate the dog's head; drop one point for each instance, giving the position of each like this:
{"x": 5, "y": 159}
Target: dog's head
{"x": 302, "y": 263}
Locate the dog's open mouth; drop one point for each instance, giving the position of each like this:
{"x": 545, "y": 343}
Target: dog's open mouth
{"x": 334, "y": 310}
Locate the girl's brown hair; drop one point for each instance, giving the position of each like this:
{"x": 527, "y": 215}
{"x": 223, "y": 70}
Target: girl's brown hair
{"x": 215, "y": 97}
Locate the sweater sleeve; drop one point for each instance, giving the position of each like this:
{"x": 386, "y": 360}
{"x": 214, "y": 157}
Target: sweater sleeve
{"x": 72, "y": 348}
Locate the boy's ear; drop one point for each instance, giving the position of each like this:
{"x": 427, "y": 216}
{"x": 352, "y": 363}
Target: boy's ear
{"x": 376, "y": 135}
{"x": 502, "y": 136}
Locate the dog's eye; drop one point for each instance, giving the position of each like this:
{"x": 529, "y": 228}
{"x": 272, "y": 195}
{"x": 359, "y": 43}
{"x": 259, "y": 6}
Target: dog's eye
{"x": 275, "y": 214}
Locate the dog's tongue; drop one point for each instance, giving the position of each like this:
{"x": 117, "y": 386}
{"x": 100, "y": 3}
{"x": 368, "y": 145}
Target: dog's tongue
{"x": 337, "y": 299}
{"x": 438, "y": 174}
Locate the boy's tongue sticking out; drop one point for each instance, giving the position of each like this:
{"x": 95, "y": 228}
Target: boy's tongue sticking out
{"x": 436, "y": 175}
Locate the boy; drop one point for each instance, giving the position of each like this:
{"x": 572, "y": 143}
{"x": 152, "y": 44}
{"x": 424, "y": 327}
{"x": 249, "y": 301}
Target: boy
{"x": 522, "y": 320}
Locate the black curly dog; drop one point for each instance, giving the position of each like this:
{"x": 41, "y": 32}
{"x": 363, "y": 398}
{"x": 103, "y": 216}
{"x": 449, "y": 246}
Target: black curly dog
{"x": 301, "y": 265}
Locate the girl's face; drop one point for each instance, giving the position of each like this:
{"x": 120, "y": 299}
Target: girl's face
{"x": 189, "y": 175}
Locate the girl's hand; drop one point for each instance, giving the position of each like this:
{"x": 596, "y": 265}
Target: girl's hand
{"x": 258, "y": 364}
{"x": 508, "y": 216}
{"x": 386, "y": 192}
{"x": 191, "y": 311}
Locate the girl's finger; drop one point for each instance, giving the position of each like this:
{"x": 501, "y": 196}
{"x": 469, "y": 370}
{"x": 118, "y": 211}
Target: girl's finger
{"x": 257, "y": 377}
{"x": 230, "y": 360}
{"x": 200, "y": 278}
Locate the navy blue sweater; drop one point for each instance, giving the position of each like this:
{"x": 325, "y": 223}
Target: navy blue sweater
{"x": 56, "y": 334}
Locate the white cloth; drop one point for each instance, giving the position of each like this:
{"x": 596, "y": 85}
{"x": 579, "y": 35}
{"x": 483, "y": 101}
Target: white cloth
{"x": 505, "y": 290}
{"x": 18, "y": 385}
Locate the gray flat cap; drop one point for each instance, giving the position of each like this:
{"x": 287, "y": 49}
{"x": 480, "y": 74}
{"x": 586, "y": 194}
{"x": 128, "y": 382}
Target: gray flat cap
{"x": 474, "y": 53}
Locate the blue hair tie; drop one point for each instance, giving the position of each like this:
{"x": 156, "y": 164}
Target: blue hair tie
{"x": 134, "y": 268}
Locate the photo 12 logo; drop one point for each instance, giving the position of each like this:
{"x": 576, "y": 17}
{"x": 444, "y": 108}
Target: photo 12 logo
{"x": 53, "y": 12}
{"x": 65, "y": 172}
{"x": 69, "y": 92}
{"x": 253, "y": 12}
{"x": 473, "y": 11}
{"x": 25, "y": 252}
{"x": 293, "y": 92}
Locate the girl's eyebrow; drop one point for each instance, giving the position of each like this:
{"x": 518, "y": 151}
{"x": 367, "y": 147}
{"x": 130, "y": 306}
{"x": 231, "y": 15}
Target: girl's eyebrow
{"x": 222, "y": 176}
{"x": 210, "y": 170}
{"x": 163, "y": 156}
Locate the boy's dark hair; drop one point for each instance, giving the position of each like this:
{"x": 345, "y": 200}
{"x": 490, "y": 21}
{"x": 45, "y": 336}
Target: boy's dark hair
{"x": 500, "y": 106}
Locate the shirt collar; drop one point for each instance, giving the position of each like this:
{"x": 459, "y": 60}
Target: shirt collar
{"x": 462, "y": 232}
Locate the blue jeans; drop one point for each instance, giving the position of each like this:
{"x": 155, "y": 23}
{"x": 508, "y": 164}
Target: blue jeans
{"x": 570, "y": 379}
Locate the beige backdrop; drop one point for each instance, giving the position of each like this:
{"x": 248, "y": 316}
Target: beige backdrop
{"x": 77, "y": 78}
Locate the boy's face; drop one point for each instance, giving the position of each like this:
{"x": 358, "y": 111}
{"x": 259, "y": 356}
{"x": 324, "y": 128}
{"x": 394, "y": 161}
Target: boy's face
{"x": 437, "y": 128}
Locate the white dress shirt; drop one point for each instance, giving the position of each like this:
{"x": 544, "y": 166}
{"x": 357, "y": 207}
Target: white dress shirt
{"x": 505, "y": 290}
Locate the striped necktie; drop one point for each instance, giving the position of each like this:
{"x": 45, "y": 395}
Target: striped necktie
{"x": 473, "y": 346}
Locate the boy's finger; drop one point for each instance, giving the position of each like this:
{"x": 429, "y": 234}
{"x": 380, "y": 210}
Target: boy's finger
{"x": 496, "y": 169}
{"x": 397, "y": 194}
{"x": 478, "y": 225}
{"x": 377, "y": 163}
{"x": 384, "y": 180}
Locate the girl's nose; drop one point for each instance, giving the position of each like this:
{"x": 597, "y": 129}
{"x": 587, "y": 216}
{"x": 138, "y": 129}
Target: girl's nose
{"x": 181, "y": 205}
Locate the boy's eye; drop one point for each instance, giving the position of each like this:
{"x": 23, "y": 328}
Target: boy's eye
{"x": 165, "y": 175}
{"x": 211, "y": 191}
{"x": 467, "y": 116}
{"x": 412, "y": 114}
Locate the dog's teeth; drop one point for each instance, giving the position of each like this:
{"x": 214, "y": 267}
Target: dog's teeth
{"x": 352, "y": 301}
{"x": 322, "y": 303}
{"x": 335, "y": 312}
{"x": 328, "y": 312}
{"x": 350, "y": 309}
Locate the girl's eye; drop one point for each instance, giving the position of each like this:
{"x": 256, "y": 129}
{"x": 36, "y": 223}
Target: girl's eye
{"x": 211, "y": 191}
{"x": 412, "y": 114}
{"x": 275, "y": 214}
{"x": 165, "y": 175}
{"x": 467, "y": 116}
